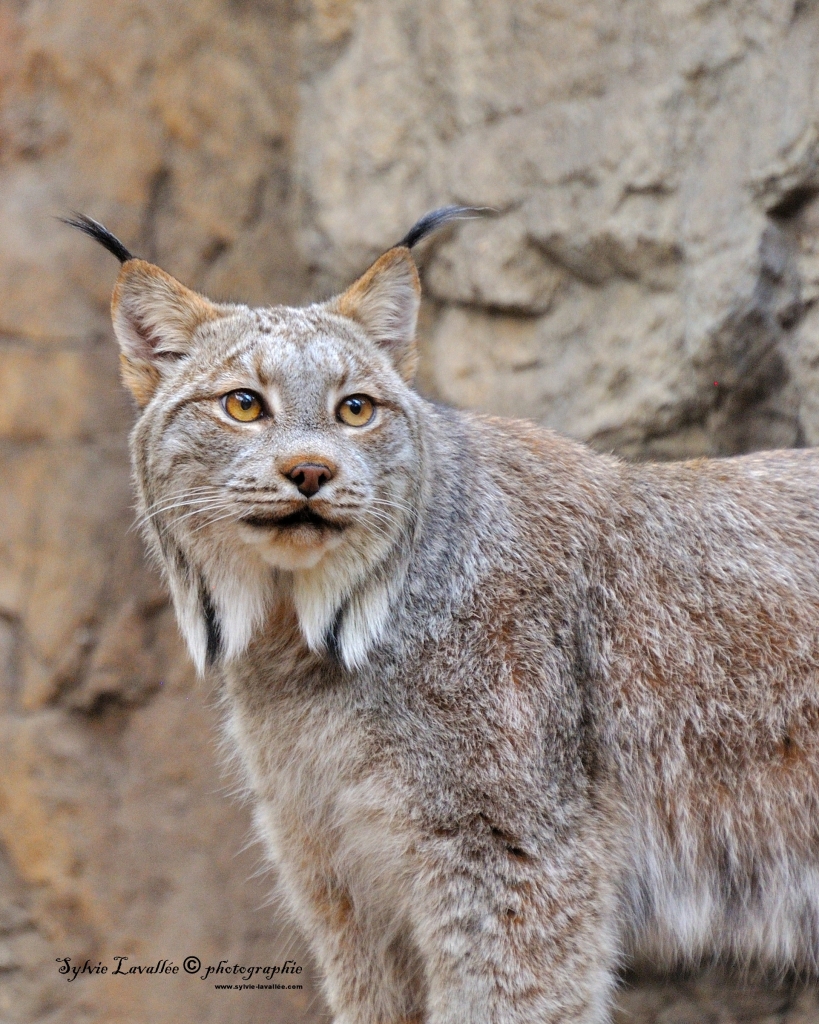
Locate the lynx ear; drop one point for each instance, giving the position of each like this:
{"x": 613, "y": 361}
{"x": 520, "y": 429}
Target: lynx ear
{"x": 154, "y": 320}
{"x": 385, "y": 301}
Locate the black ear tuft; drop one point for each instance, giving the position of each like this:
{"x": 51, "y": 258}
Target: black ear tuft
{"x": 437, "y": 218}
{"x": 100, "y": 234}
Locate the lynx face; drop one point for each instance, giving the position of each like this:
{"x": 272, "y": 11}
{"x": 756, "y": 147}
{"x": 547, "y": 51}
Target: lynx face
{"x": 322, "y": 463}
{"x": 294, "y": 440}
{"x": 277, "y": 454}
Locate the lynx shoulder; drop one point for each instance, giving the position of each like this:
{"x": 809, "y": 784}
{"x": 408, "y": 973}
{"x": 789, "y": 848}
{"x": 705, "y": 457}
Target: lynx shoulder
{"x": 513, "y": 713}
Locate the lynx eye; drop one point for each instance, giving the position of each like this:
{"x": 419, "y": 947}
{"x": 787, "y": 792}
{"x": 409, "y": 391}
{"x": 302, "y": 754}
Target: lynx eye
{"x": 356, "y": 411}
{"x": 243, "y": 406}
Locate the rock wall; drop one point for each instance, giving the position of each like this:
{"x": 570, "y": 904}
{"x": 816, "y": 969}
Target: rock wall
{"x": 650, "y": 278}
{"x": 648, "y": 282}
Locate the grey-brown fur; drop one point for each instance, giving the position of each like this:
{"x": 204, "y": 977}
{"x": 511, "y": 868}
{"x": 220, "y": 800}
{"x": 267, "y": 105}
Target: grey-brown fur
{"x": 532, "y": 714}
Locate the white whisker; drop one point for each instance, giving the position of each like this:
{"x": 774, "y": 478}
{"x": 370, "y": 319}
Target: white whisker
{"x": 206, "y": 506}
{"x": 184, "y": 503}
{"x": 189, "y": 492}
{"x": 216, "y": 506}
{"x": 392, "y": 504}
{"x": 217, "y": 519}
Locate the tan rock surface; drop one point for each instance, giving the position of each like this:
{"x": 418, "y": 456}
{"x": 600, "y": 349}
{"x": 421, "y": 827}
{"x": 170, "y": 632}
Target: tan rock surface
{"x": 647, "y": 284}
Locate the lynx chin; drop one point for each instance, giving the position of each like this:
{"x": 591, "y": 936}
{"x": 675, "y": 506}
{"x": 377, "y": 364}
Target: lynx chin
{"x": 513, "y": 714}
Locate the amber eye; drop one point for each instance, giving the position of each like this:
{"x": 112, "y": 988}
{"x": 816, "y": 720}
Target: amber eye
{"x": 356, "y": 411}
{"x": 243, "y": 406}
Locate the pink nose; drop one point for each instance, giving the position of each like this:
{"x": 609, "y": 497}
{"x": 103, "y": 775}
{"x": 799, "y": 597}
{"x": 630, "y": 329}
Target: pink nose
{"x": 310, "y": 477}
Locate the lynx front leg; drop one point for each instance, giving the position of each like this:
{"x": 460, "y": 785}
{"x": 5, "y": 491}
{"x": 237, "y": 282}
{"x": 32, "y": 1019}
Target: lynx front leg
{"x": 371, "y": 973}
{"x": 373, "y": 978}
{"x": 512, "y": 937}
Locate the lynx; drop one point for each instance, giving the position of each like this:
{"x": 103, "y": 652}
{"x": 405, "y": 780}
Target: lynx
{"x": 514, "y": 714}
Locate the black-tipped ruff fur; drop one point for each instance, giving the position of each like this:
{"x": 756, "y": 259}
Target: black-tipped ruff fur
{"x": 212, "y": 628}
{"x": 100, "y": 234}
{"x": 333, "y": 640}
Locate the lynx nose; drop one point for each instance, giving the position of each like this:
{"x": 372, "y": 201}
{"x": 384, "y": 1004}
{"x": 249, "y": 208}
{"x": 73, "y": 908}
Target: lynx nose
{"x": 310, "y": 477}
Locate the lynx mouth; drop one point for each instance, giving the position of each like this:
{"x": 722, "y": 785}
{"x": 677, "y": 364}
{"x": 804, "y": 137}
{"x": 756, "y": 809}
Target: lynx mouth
{"x": 301, "y": 517}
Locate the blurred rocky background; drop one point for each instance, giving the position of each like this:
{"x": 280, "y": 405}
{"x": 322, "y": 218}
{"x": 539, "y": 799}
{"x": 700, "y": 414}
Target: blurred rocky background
{"x": 648, "y": 282}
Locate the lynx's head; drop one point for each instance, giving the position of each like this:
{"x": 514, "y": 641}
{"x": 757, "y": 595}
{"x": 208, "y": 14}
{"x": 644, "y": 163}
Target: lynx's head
{"x": 278, "y": 451}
